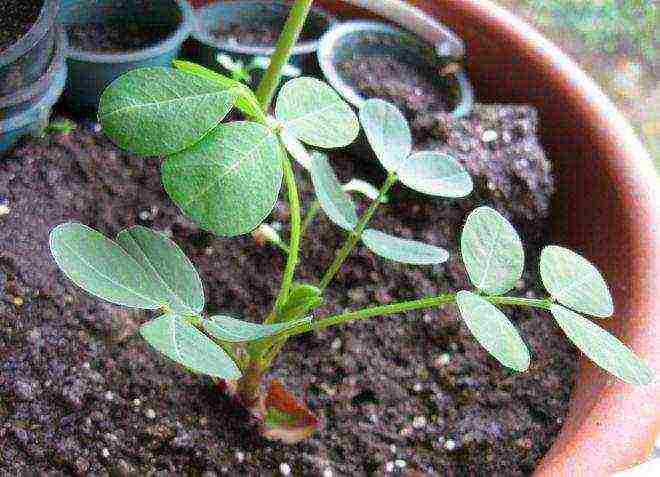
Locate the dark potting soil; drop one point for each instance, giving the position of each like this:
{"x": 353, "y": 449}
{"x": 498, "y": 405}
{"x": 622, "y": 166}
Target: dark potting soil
{"x": 253, "y": 33}
{"x": 117, "y": 37}
{"x": 416, "y": 90}
{"x": 16, "y": 19}
{"x": 81, "y": 393}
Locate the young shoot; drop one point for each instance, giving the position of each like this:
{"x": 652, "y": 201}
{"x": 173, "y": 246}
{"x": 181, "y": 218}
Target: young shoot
{"x": 226, "y": 176}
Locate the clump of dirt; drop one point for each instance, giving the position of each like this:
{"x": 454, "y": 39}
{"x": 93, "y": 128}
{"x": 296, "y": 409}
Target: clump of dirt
{"x": 117, "y": 37}
{"x": 81, "y": 393}
{"x": 16, "y": 19}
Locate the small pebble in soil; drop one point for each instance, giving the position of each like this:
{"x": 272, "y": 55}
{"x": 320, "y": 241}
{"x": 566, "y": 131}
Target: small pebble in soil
{"x": 150, "y": 414}
{"x": 400, "y": 463}
{"x": 4, "y": 206}
{"x": 450, "y": 445}
{"x": 336, "y": 344}
{"x": 419, "y": 422}
{"x": 240, "y": 456}
{"x": 327, "y": 472}
{"x": 285, "y": 469}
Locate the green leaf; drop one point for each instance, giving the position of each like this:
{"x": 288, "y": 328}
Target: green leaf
{"x": 492, "y": 251}
{"x": 314, "y": 113}
{"x": 232, "y": 330}
{"x": 574, "y": 282}
{"x": 101, "y": 267}
{"x": 246, "y": 101}
{"x": 387, "y": 131}
{"x": 183, "y": 343}
{"x": 602, "y": 348}
{"x": 160, "y": 111}
{"x": 364, "y": 188}
{"x": 493, "y": 330}
{"x": 334, "y": 201}
{"x": 229, "y": 182}
{"x": 168, "y": 266}
{"x": 403, "y": 250}
{"x": 437, "y": 174}
{"x": 302, "y": 299}
{"x": 296, "y": 149}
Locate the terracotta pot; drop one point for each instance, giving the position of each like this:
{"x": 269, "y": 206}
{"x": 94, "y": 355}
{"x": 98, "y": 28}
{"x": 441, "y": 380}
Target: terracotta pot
{"x": 607, "y": 208}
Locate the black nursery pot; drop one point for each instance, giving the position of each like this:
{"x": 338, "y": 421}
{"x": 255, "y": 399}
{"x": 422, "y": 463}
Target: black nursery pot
{"x": 219, "y": 28}
{"x": 25, "y": 61}
{"x": 92, "y": 69}
{"x": 354, "y": 40}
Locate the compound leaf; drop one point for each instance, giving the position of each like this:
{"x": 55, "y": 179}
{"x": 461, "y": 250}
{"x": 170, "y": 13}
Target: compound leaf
{"x": 387, "y": 131}
{"x": 231, "y": 330}
{"x": 229, "y": 181}
{"x": 574, "y": 282}
{"x": 492, "y": 251}
{"x": 602, "y": 348}
{"x": 493, "y": 330}
{"x": 314, "y": 113}
{"x": 160, "y": 111}
{"x": 183, "y": 343}
{"x": 167, "y": 265}
{"x": 335, "y": 202}
{"x": 403, "y": 250}
{"x": 436, "y": 174}
{"x": 101, "y": 267}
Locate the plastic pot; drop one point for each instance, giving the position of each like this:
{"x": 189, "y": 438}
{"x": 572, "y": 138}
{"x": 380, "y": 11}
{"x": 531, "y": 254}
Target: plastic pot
{"x": 27, "y": 97}
{"x": 245, "y": 12}
{"x": 25, "y": 61}
{"x": 91, "y": 72}
{"x": 359, "y": 39}
{"x": 606, "y": 208}
{"x": 34, "y": 116}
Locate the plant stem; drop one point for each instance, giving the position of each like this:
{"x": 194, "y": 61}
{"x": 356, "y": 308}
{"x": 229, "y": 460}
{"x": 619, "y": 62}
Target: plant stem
{"x": 405, "y": 306}
{"x": 356, "y": 234}
{"x": 310, "y": 216}
{"x": 292, "y": 28}
{"x": 294, "y": 240}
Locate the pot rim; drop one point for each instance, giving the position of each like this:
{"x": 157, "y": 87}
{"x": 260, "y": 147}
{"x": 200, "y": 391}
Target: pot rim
{"x": 42, "y": 83}
{"x": 333, "y": 38}
{"x": 33, "y": 114}
{"x": 45, "y": 21}
{"x": 167, "y": 44}
{"x": 201, "y": 34}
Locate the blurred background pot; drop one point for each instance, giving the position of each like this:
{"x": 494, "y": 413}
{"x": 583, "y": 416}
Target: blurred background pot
{"x": 356, "y": 40}
{"x": 247, "y": 29}
{"x": 27, "y": 110}
{"x": 110, "y": 24}
{"x": 25, "y": 61}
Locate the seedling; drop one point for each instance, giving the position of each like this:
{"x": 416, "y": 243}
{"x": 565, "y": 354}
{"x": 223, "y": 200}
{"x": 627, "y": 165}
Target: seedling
{"x": 227, "y": 177}
{"x": 239, "y": 71}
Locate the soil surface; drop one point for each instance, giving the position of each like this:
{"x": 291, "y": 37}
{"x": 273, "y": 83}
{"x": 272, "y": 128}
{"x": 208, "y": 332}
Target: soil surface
{"x": 16, "y": 19}
{"x": 117, "y": 37}
{"x": 81, "y": 393}
{"x": 415, "y": 88}
{"x": 253, "y": 33}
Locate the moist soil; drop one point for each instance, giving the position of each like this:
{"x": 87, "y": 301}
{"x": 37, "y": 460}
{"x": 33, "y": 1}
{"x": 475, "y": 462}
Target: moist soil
{"x": 117, "y": 37}
{"x": 16, "y": 19}
{"x": 254, "y": 33}
{"x": 81, "y": 393}
{"x": 418, "y": 90}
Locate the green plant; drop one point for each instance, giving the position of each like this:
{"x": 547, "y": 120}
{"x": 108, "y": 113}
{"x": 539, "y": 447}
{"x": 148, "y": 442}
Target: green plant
{"x": 607, "y": 24}
{"x": 239, "y": 71}
{"x": 227, "y": 177}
